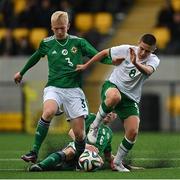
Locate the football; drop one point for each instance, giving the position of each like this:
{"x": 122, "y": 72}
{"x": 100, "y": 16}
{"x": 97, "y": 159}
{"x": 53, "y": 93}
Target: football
{"x": 90, "y": 161}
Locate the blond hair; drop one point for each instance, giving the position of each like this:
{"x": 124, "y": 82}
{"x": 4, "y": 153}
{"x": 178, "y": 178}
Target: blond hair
{"x": 60, "y": 16}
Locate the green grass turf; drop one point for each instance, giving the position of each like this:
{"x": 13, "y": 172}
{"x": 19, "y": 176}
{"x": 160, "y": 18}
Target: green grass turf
{"x": 158, "y": 153}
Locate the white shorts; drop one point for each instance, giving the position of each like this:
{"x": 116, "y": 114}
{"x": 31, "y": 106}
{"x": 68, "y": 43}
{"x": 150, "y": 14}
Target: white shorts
{"x": 72, "y": 99}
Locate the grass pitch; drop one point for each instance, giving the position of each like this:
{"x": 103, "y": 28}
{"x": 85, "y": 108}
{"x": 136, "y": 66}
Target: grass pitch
{"x": 158, "y": 153}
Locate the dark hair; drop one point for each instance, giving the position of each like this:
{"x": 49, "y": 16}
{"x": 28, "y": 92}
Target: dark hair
{"x": 148, "y": 39}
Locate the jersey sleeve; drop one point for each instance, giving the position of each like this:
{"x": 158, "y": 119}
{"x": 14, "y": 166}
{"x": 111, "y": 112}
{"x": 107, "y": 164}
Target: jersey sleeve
{"x": 42, "y": 48}
{"x": 87, "y": 49}
{"x": 119, "y": 51}
{"x": 107, "y": 60}
{"x": 31, "y": 62}
{"x": 153, "y": 62}
{"x": 109, "y": 146}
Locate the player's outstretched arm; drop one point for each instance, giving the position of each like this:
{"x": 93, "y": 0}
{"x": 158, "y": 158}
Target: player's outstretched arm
{"x": 31, "y": 62}
{"x": 99, "y": 56}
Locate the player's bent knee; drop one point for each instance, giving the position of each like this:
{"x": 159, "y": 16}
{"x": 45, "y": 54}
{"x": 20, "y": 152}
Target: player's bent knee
{"x": 48, "y": 113}
{"x": 113, "y": 99}
{"x": 132, "y": 134}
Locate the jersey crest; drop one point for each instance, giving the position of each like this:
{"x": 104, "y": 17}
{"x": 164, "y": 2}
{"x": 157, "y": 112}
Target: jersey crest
{"x": 74, "y": 50}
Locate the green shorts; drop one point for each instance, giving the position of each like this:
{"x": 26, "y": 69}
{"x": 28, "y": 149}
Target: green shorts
{"x": 127, "y": 107}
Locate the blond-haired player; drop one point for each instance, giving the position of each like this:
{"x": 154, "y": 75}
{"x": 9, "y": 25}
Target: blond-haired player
{"x": 63, "y": 88}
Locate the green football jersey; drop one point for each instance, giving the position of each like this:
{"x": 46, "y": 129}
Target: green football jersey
{"x": 63, "y": 56}
{"x": 104, "y": 138}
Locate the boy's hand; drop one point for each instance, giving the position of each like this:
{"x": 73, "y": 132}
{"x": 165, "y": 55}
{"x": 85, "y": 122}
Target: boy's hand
{"x": 132, "y": 55}
{"x": 92, "y": 148}
{"x": 81, "y": 67}
{"x": 111, "y": 162}
{"x": 17, "y": 78}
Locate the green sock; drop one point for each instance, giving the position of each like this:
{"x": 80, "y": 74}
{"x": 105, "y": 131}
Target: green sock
{"x": 52, "y": 160}
{"x": 41, "y": 132}
{"x": 123, "y": 150}
{"x": 127, "y": 144}
{"x": 105, "y": 108}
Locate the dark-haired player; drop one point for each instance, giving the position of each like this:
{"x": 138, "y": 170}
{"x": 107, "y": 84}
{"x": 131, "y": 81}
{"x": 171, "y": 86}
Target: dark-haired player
{"x": 122, "y": 91}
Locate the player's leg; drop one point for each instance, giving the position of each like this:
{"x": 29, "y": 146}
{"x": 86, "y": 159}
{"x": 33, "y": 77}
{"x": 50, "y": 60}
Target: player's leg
{"x": 110, "y": 96}
{"x": 131, "y": 125}
{"x": 75, "y": 107}
{"x": 54, "y": 160}
{"x": 50, "y": 108}
{"x": 128, "y": 111}
{"x": 78, "y": 127}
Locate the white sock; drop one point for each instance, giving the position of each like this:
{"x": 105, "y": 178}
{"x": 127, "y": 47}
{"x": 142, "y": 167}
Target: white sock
{"x": 121, "y": 154}
{"x": 99, "y": 117}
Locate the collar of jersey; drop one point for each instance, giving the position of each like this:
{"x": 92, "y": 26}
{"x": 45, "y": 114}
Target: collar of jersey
{"x": 61, "y": 40}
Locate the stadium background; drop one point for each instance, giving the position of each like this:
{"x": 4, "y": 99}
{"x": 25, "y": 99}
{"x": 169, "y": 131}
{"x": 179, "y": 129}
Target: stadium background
{"x": 104, "y": 23}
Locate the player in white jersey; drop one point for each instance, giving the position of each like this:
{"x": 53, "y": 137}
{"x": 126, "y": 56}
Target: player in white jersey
{"x": 127, "y": 77}
{"x": 122, "y": 91}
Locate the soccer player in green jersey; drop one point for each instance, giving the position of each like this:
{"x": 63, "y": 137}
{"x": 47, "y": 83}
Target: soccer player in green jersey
{"x": 63, "y": 88}
{"x": 122, "y": 91}
{"x": 63, "y": 160}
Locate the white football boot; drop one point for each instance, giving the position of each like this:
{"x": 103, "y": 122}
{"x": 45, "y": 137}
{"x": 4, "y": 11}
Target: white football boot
{"x": 120, "y": 168}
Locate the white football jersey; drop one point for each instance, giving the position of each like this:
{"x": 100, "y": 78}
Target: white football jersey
{"x": 126, "y": 76}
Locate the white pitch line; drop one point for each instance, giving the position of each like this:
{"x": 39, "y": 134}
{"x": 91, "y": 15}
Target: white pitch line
{"x": 156, "y": 159}
{"x": 11, "y": 159}
{"x": 11, "y": 151}
{"x": 27, "y": 171}
{"x": 135, "y": 159}
{"x": 12, "y": 169}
